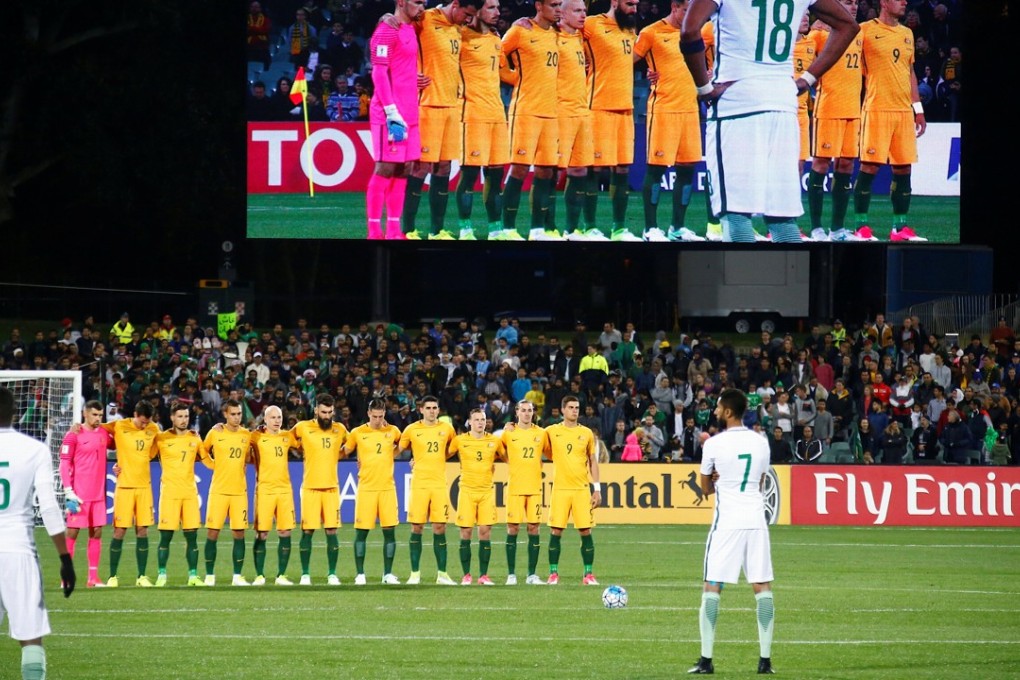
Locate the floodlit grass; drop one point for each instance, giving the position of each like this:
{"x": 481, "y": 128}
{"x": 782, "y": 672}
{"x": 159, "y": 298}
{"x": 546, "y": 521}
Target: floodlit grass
{"x": 342, "y": 215}
{"x": 850, "y": 603}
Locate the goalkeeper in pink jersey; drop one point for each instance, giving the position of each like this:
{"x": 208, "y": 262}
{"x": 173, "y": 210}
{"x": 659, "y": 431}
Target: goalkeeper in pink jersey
{"x": 393, "y": 115}
{"x": 83, "y": 475}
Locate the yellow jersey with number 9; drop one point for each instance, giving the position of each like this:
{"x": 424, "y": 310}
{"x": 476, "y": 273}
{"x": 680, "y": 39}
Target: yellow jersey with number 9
{"x": 571, "y": 447}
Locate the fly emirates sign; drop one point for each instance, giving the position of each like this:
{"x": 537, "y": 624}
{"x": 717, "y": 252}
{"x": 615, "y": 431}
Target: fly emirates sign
{"x": 905, "y": 495}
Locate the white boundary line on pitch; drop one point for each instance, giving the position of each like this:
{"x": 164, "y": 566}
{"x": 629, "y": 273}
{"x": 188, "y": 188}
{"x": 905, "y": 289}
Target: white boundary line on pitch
{"x": 639, "y": 608}
{"x": 781, "y": 542}
{"x": 480, "y": 638}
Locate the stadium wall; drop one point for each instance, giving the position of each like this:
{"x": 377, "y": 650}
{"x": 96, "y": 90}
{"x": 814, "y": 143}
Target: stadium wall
{"x": 339, "y": 158}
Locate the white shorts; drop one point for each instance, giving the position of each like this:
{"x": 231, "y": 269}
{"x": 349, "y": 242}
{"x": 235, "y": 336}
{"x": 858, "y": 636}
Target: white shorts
{"x": 753, "y": 164}
{"x": 729, "y": 551}
{"x": 21, "y": 596}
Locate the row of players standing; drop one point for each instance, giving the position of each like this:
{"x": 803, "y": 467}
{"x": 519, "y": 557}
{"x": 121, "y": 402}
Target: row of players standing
{"x": 229, "y": 448}
{"x": 571, "y": 112}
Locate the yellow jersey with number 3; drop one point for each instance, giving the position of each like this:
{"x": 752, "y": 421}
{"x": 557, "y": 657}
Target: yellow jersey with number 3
{"x": 477, "y": 458}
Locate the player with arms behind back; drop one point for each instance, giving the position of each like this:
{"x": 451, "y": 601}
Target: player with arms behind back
{"x": 26, "y": 473}
{"x": 752, "y": 140}
{"x": 733, "y": 466}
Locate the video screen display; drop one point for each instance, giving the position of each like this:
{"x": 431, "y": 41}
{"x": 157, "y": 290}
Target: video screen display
{"x": 310, "y": 139}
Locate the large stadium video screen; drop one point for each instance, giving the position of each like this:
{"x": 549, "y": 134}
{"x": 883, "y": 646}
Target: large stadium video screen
{"x": 308, "y": 167}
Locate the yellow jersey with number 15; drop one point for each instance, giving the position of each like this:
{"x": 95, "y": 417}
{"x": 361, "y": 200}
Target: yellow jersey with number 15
{"x": 322, "y": 450}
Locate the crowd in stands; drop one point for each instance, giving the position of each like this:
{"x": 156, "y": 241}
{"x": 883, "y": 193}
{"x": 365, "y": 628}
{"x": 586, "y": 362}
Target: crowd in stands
{"x": 332, "y": 36}
{"x": 882, "y": 393}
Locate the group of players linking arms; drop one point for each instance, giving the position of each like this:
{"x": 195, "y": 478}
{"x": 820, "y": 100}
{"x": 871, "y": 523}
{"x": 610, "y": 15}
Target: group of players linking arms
{"x": 438, "y": 74}
{"x": 229, "y": 448}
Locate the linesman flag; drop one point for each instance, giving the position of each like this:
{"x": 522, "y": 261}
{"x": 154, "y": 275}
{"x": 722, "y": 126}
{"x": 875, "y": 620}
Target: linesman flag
{"x": 299, "y": 90}
{"x": 299, "y": 95}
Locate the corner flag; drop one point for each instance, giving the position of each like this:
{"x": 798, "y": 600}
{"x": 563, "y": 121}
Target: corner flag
{"x": 299, "y": 90}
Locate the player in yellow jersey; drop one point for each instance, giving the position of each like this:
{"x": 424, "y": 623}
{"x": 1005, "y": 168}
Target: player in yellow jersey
{"x": 609, "y": 44}
{"x": 713, "y": 228}
{"x": 575, "y": 461}
{"x": 486, "y": 146}
{"x": 377, "y": 444}
{"x": 672, "y": 124}
{"x": 321, "y": 442}
{"x": 804, "y": 53}
{"x": 428, "y": 440}
{"x": 178, "y": 448}
{"x": 229, "y": 447}
{"x": 135, "y": 439}
{"x": 274, "y": 495}
{"x": 893, "y": 116}
{"x": 439, "y": 110}
{"x": 476, "y": 504}
{"x": 836, "y": 130}
{"x": 577, "y": 150}
{"x": 532, "y": 55}
{"x": 525, "y": 444}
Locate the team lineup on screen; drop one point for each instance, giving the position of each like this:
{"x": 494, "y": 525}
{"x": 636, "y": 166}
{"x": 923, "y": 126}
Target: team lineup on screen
{"x": 780, "y": 102}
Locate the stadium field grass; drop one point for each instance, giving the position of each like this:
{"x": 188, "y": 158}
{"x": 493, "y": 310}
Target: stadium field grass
{"x": 871, "y": 602}
{"x": 342, "y": 215}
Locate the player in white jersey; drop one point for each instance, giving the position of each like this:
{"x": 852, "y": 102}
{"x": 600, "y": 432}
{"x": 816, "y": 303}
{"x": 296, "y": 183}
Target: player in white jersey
{"x": 26, "y": 472}
{"x": 733, "y": 466}
{"x": 752, "y": 139}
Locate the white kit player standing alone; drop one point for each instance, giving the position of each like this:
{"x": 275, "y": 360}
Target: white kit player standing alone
{"x": 733, "y": 466}
{"x": 26, "y": 472}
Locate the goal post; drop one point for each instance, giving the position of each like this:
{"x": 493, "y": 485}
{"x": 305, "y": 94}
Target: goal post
{"x": 46, "y": 404}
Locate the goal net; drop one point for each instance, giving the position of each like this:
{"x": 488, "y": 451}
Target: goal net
{"x": 46, "y": 403}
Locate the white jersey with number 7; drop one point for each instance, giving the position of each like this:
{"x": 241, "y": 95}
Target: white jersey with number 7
{"x": 741, "y": 457}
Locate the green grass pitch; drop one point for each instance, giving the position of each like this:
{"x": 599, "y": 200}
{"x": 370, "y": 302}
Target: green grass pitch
{"x": 850, "y": 603}
{"x": 342, "y": 215}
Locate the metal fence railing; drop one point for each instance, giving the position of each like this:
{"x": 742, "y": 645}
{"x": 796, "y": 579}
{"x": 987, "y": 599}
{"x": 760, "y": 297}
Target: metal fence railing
{"x": 966, "y": 315}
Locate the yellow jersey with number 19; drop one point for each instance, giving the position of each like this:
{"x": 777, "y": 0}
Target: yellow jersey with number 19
{"x": 439, "y": 58}
{"x": 135, "y": 448}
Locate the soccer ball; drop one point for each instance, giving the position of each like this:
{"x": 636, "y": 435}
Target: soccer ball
{"x": 614, "y": 597}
